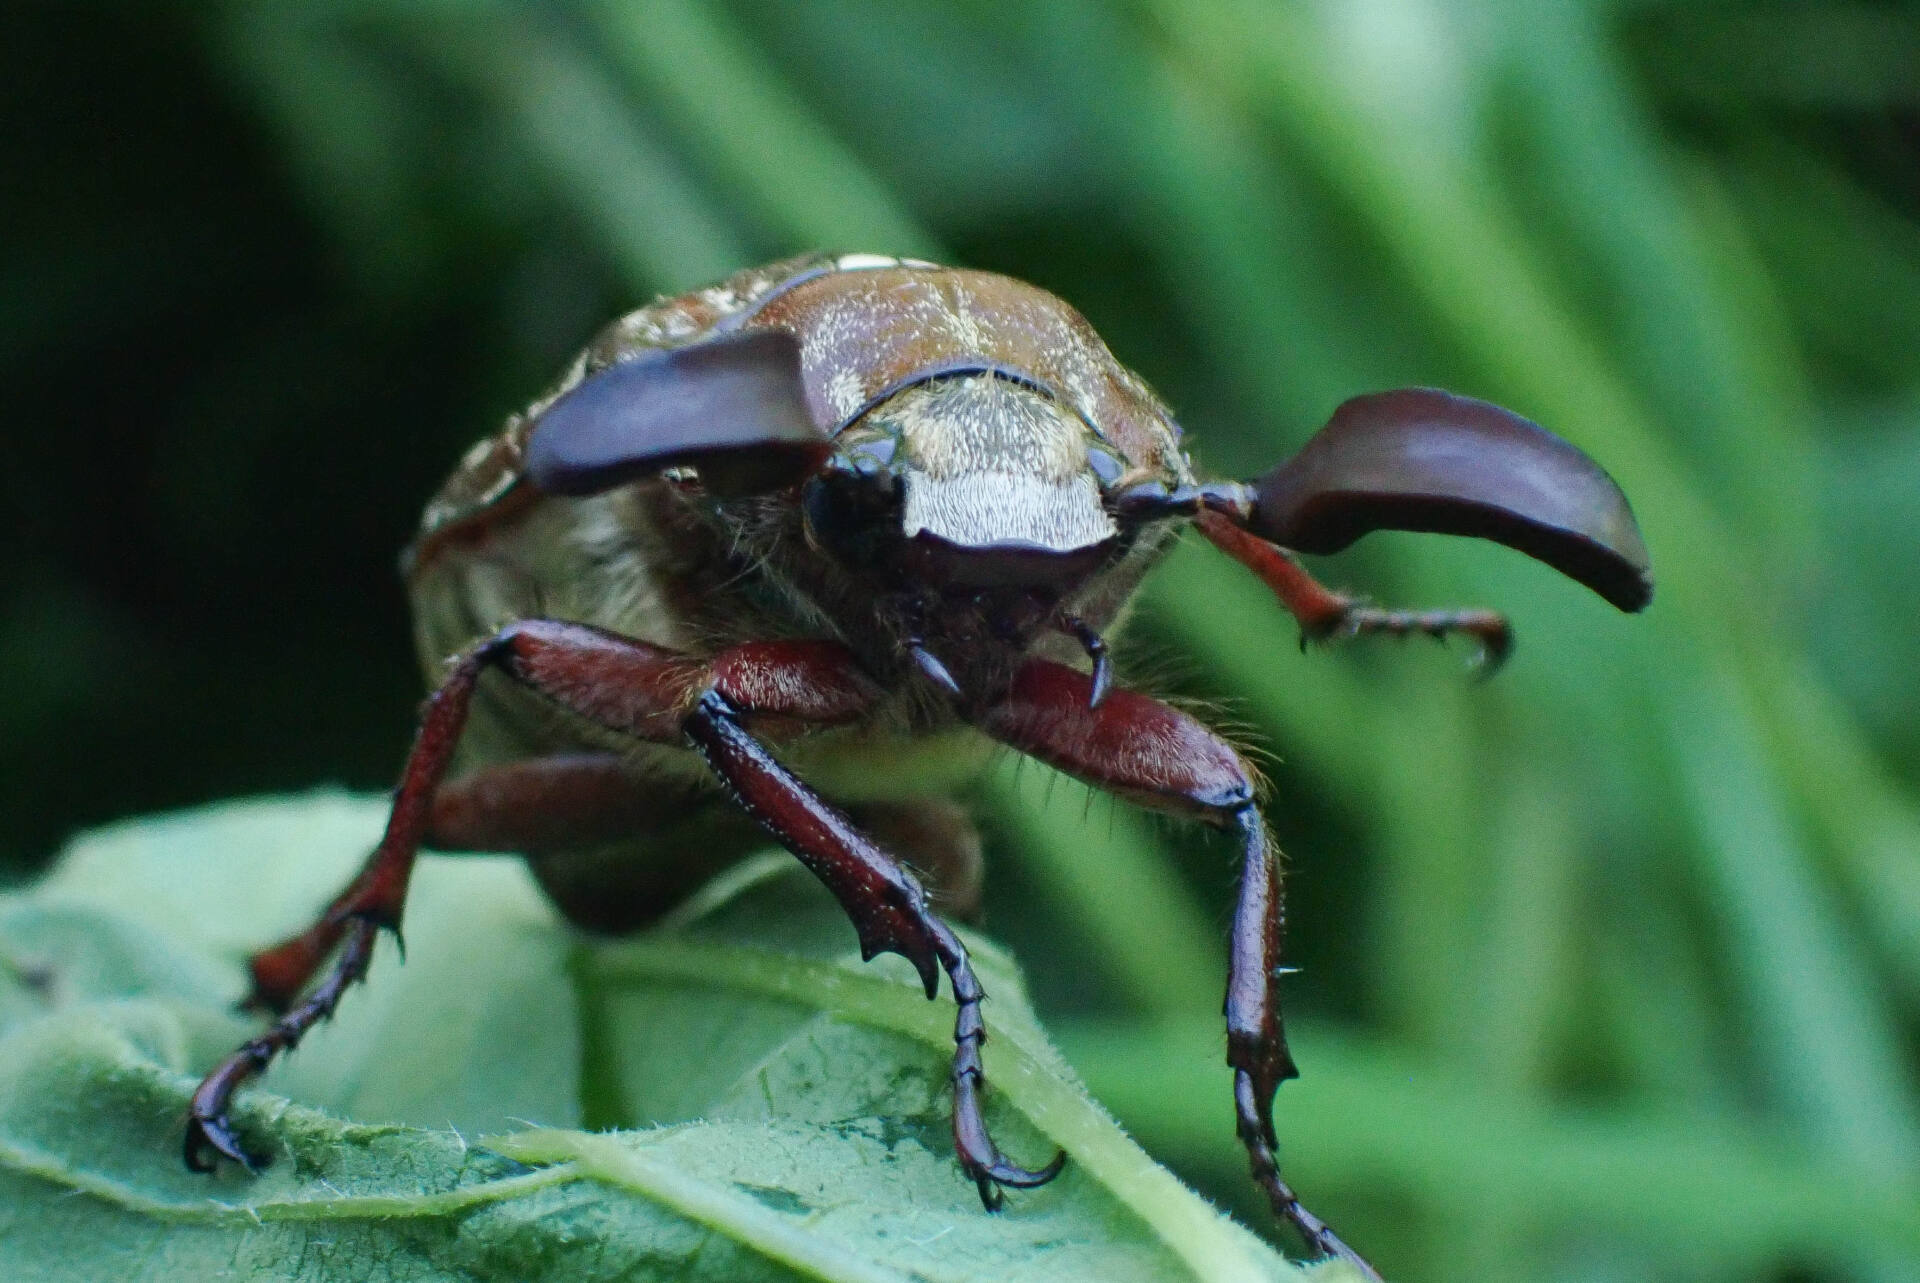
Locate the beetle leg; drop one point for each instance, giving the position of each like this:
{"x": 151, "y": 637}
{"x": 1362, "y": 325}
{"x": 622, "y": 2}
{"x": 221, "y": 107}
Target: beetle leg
{"x": 612, "y": 844}
{"x": 1164, "y": 759}
{"x": 526, "y": 807}
{"x": 371, "y": 901}
{"x": 889, "y": 911}
{"x": 545, "y": 803}
{"x": 208, "y": 1127}
{"x": 561, "y": 812}
{"x": 937, "y": 841}
{"x": 1325, "y": 614}
{"x": 620, "y": 683}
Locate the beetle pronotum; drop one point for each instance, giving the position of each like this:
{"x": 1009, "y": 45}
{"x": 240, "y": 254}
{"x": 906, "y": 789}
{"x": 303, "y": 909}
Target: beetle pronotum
{"x": 819, "y": 515}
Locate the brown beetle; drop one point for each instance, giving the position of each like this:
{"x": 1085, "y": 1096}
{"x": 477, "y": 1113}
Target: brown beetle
{"x": 866, "y": 509}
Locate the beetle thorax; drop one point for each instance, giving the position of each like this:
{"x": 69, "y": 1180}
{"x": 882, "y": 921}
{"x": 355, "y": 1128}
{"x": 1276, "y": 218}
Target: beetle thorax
{"x": 989, "y": 467}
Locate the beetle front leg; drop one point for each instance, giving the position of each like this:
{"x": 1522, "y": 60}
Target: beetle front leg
{"x": 620, "y": 683}
{"x": 1325, "y": 614}
{"x": 889, "y": 911}
{"x": 1164, "y": 759}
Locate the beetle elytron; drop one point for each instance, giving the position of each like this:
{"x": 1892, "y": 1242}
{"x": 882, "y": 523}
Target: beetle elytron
{"x": 855, "y": 508}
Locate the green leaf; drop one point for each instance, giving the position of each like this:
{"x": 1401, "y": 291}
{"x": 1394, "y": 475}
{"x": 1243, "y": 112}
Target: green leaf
{"x": 1366, "y": 1115}
{"x": 780, "y": 1109}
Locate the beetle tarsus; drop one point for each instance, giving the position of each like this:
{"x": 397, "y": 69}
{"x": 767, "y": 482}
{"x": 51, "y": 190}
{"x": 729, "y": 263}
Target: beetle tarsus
{"x": 215, "y": 1134}
{"x": 209, "y": 1126}
{"x": 1253, "y": 1107}
{"x": 1014, "y": 1176}
{"x": 1326, "y": 615}
{"x": 979, "y": 1157}
{"x": 1489, "y": 628}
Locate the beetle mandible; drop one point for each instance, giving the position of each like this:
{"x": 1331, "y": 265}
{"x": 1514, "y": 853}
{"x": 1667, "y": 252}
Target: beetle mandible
{"x": 846, "y": 510}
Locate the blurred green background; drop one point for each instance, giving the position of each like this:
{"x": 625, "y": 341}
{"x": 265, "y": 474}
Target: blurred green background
{"x": 1610, "y": 965}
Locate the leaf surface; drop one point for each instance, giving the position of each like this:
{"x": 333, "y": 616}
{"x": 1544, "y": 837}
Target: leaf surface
{"x": 731, "y": 1097}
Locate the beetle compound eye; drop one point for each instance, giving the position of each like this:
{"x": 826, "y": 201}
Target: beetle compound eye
{"x": 852, "y": 511}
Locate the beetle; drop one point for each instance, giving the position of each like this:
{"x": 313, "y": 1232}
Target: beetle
{"x": 840, "y": 511}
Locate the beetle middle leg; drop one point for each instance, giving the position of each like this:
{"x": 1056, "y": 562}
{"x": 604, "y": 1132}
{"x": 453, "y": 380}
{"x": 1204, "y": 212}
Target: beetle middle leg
{"x": 614, "y": 848}
{"x": 1325, "y": 614}
{"x": 613, "y": 845}
{"x": 1161, "y": 758}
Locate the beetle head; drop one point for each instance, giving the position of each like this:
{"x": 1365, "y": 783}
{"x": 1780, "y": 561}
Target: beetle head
{"x": 965, "y": 482}
{"x": 970, "y": 484}
{"x": 972, "y": 479}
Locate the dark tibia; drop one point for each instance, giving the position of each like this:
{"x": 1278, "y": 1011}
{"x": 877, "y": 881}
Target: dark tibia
{"x": 889, "y": 911}
{"x": 1164, "y": 759}
{"x": 936, "y": 839}
{"x": 1326, "y": 615}
{"x": 1256, "y": 1042}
